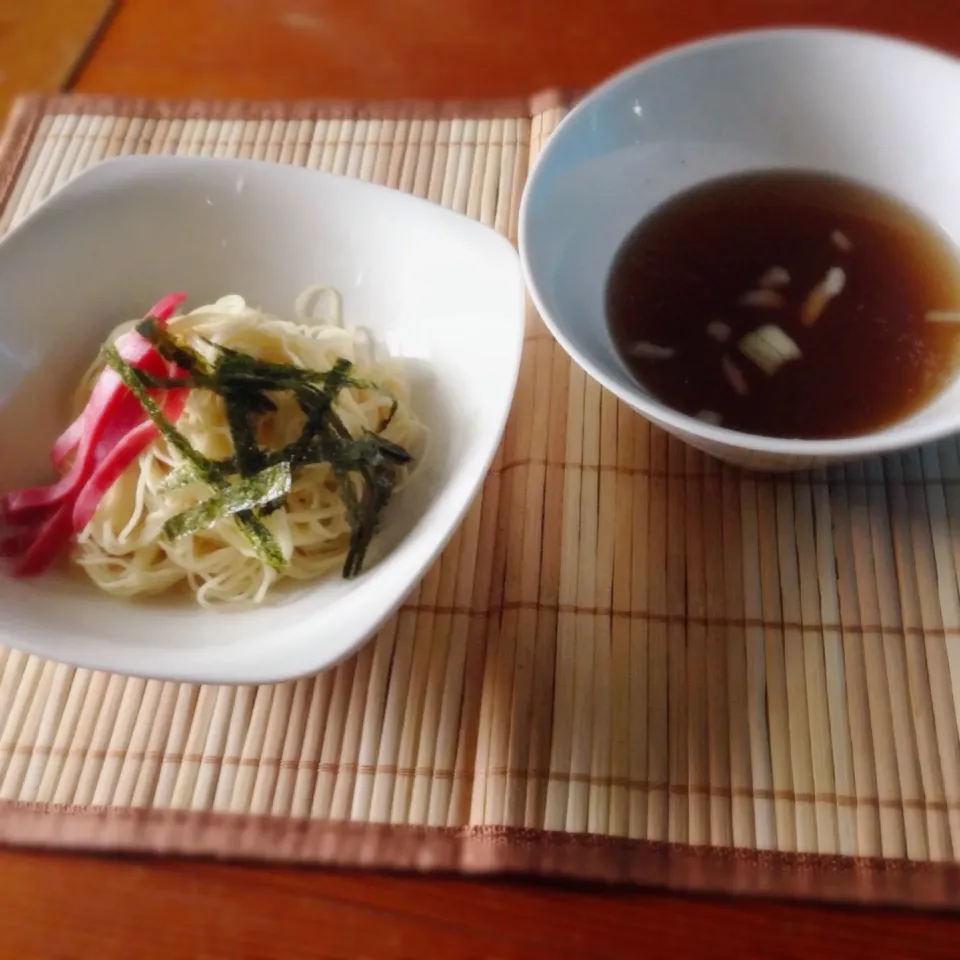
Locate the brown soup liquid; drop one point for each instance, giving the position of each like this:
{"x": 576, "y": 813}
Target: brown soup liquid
{"x": 855, "y": 297}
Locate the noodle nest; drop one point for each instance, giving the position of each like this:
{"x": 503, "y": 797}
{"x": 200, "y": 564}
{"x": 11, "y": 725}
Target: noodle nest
{"x": 123, "y": 549}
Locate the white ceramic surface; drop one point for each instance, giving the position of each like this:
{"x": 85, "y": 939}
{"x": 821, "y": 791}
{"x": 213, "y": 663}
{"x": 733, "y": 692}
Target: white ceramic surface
{"x": 864, "y": 106}
{"x": 435, "y": 288}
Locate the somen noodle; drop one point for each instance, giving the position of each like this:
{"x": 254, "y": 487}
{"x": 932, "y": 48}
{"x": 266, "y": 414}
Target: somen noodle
{"x": 124, "y": 548}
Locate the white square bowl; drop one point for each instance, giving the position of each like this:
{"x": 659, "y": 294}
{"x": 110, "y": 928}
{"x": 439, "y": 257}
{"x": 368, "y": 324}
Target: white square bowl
{"x": 435, "y": 288}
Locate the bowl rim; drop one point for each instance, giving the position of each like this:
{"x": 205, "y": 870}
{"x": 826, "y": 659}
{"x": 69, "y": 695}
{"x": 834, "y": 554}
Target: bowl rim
{"x": 121, "y": 175}
{"x": 870, "y": 443}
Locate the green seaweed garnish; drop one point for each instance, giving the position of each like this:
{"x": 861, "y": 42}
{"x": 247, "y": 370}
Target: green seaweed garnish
{"x": 170, "y": 348}
{"x": 182, "y": 475}
{"x": 209, "y": 471}
{"x": 250, "y": 494}
{"x": 365, "y": 516}
{"x": 388, "y": 419}
{"x": 242, "y": 410}
{"x": 255, "y": 481}
{"x": 263, "y": 540}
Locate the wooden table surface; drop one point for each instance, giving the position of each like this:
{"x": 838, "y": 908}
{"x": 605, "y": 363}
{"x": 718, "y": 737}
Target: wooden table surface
{"x": 70, "y": 906}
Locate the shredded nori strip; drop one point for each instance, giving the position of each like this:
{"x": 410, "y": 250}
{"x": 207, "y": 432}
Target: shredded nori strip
{"x": 241, "y": 410}
{"x": 181, "y": 475}
{"x": 170, "y": 348}
{"x": 388, "y": 419}
{"x": 369, "y": 461}
{"x": 252, "y": 493}
{"x": 207, "y": 470}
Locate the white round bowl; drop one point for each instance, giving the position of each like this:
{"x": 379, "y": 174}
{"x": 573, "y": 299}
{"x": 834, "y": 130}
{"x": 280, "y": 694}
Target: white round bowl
{"x": 433, "y": 287}
{"x": 879, "y": 110}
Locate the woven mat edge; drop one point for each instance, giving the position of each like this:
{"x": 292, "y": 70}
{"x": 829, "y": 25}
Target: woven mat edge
{"x": 29, "y": 109}
{"x": 304, "y": 109}
{"x": 482, "y": 851}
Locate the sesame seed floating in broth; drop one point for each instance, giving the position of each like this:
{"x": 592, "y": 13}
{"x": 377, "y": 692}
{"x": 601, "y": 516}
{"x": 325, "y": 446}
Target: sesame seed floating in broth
{"x": 830, "y": 286}
{"x": 765, "y": 298}
{"x": 719, "y": 331}
{"x": 709, "y": 416}
{"x": 734, "y": 376}
{"x": 775, "y": 277}
{"x": 841, "y": 241}
{"x": 643, "y": 350}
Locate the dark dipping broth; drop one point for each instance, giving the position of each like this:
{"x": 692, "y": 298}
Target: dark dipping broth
{"x": 788, "y": 305}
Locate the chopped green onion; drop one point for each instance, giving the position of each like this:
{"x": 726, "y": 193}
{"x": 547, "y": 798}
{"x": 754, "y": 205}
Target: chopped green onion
{"x": 769, "y": 348}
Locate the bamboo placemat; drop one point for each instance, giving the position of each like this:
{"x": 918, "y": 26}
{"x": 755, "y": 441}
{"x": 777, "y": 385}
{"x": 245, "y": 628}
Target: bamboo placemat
{"x": 631, "y": 664}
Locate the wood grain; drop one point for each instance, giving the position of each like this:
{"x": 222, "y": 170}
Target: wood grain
{"x": 426, "y": 48}
{"x": 43, "y": 41}
{"x": 65, "y": 906}
{"x": 56, "y": 906}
